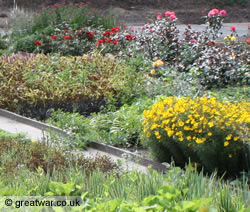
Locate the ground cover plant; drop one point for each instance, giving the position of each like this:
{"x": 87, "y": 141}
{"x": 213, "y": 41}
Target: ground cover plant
{"x": 100, "y": 180}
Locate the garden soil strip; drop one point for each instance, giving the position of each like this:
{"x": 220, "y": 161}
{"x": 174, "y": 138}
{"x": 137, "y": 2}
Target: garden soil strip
{"x": 15, "y": 123}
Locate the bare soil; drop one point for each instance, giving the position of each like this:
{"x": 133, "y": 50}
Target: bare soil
{"x": 141, "y": 11}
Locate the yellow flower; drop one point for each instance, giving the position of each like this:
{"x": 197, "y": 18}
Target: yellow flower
{"x": 148, "y": 134}
{"x": 169, "y": 132}
{"x": 233, "y": 38}
{"x": 230, "y": 155}
{"x": 210, "y": 124}
{"x": 181, "y": 123}
{"x": 158, "y": 63}
{"x": 236, "y": 138}
{"x": 181, "y": 139}
{"x": 200, "y": 140}
{"x": 210, "y": 134}
{"x": 226, "y": 143}
{"x": 229, "y": 137}
{"x": 189, "y": 138}
{"x": 33, "y": 141}
{"x": 157, "y": 134}
{"x": 153, "y": 71}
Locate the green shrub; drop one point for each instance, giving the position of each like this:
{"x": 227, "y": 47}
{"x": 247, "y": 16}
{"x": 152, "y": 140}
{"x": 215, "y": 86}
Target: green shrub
{"x": 26, "y": 25}
{"x": 212, "y": 133}
{"x": 120, "y": 128}
{"x": 84, "y": 83}
{"x": 26, "y": 44}
{"x": 67, "y": 41}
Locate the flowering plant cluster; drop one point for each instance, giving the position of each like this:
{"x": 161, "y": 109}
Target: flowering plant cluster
{"x": 202, "y": 127}
{"x": 67, "y": 41}
{"x": 214, "y": 20}
{"x": 160, "y": 39}
{"x": 118, "y": 40}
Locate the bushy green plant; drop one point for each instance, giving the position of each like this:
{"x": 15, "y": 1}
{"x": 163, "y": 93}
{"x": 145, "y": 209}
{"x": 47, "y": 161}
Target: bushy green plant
{"x": 81, "y": 83}
{"x": 210, "y": 132}
{"x": 219, "y": 67}
{"x": 120, "y": 128}
{"x": 66, "y": 41}
{"x": 45, "y": 23}
{"x": 26, "y": 44}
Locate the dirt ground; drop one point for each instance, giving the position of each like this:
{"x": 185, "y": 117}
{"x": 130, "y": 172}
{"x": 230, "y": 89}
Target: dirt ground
{"x": 141, "y": 11}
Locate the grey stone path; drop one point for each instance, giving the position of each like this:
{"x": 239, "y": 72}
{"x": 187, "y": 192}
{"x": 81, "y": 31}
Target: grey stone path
{"x": 241, "y": 29}
{"x": 13, "y": 126}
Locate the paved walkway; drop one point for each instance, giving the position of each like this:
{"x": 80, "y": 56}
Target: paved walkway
{"x": 13, "y": 126}
{"x": 241, "y": 29}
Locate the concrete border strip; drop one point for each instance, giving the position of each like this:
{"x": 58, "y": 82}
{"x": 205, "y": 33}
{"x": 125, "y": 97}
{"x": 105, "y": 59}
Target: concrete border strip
{"x": 31, "y": 122}
{"x": 98, "y": 146}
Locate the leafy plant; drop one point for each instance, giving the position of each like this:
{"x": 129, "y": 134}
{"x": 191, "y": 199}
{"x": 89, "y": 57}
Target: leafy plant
{"x": 120, "y": 128}
{"x": 45, "y": 82}
{"x": 202, "y": 129}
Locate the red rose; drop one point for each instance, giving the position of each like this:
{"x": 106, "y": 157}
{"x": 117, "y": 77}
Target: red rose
{"x": 66, "y": 37}
{"x": 53, "y": 37}
{"x": 211, "y": 43}
{"x": 233, "y": 28}
{"x": 37, "y": 43}
{"x": 133, "y": 37}
{"x": 128, "y": 37}
{"x": 90, "y": 35}
{"x": 115, "y": 29}
{"x": 106, "y": 33}
{"x": 115, "y": 42}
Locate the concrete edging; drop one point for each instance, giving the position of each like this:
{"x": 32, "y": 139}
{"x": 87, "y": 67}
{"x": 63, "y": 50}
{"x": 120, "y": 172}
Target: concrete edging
{"x": 98, "y": 146}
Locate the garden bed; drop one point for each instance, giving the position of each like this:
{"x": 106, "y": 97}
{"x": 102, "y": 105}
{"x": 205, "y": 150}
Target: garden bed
{"x": 184, "y": 98}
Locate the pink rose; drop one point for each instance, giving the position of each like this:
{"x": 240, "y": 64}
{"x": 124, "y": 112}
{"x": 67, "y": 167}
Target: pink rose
{"x": 223, "y": 12}
{"x": 233, "y": 28}
{"x": 211, "y": 13}
{"x": 202, "y": 12}
{"x": 172, "y": 17}
{"x": 159, "y": 16}
{"x": 192, "y": 41}
{"x": 151, "y": 30}
{"x": 216, "y": 11}
{"x": 248, "y": 41}
{"x": 169, "y": 13}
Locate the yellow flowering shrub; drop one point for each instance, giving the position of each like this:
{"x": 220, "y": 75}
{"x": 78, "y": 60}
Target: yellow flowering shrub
{"x": 201, "y": 128}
